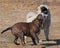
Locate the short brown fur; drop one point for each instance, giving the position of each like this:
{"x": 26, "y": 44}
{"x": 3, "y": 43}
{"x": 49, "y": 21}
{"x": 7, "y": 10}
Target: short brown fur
{"x": 21, "y": 29}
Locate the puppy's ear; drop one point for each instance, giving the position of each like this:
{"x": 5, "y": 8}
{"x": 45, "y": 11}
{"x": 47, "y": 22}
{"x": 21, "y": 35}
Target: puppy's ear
{"x": 39, "y": 16}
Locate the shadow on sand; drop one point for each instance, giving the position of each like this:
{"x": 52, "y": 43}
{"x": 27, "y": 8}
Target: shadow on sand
{"x": 53, "y": 44}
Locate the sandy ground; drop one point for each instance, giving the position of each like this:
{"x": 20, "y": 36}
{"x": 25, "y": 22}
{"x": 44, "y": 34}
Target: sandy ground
{"x": 12, "y": 12}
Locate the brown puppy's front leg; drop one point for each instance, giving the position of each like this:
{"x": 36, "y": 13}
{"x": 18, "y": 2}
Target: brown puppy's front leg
{"x": 33, "y": 41}
{"x": 34, "y": 38}
{"x": 37, "y": 38}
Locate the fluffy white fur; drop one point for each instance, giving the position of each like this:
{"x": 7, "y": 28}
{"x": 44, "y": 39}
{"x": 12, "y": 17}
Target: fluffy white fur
{"x": 31, "y": 15}
{"x": 39, "y": 9}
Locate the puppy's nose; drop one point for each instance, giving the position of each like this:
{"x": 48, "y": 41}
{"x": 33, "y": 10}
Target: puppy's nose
{"x": 44, "y": 16}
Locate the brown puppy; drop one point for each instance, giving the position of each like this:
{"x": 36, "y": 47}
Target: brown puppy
{"x": 21, "y": 29}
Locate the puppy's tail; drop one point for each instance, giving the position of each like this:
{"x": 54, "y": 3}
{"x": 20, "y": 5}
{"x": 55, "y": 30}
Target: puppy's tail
{"x": 9, "y": 28}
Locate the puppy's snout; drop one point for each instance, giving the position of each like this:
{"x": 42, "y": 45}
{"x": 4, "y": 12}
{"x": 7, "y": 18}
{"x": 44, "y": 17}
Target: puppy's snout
{"x": 41, "y": 17}
{"x": 44, "y": 16}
